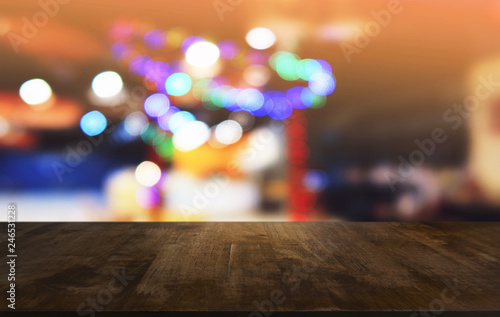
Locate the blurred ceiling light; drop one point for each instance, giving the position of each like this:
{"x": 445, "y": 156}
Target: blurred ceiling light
{"x": 35, "y": 91}
{"x": 107, "y": 84}
{"x": 191, "y": 135}
{"x": 260, "y": 38}
{"x": 93, "y": 123}
{"x": 228, "y": 132}
{"x": 202, "y": 54}
{"x": 148, "y": 173}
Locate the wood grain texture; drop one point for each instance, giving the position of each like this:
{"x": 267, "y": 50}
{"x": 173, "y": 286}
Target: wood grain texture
{"x": 250, "y": 266}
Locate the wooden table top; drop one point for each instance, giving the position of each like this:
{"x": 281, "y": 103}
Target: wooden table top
{"x": 257, "y": 268}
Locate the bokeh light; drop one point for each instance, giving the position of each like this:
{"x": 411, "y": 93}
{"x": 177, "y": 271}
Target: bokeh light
{"x": 250, "y": 99}
{"x": 228, "y": 132}
{"x": 191, "y": 135}
{"x": 156, "y": 104}
{"x": 148, "y": 173}
{"x": 165, "y": 118}
{"x": 134, "y": 123}
{"x": 286, "y": 66}
{"x": 229, "y": 99}
{"x": 155, "y": 39}
{"x": 202, "y": 54}
{"x": 165, "y": 148}
{"x": 255, "y": 57}
{"x": 147, "y": 197}
{"x": 35, "y": 91}
{"x": 256, "y": 75}
{"x": 311, "y": 68}
{"x": 107, "y": 84}
{"x": 228, "y": 49}
{"x": 309, "y": 99}
{"x": 137, "y": 65}
{"x": 179, "y": 119}
{"x": 260, "y": 38}
{"x": 93, "y": 123}
{"x": 186, "y": 44}
{"x": 299, "y": 97}
{"x": 245, "y": 119}
{"x": 148, "y": 133}
{"x": 178, "y": 84}
{"x": 325, "y": 66}
{"x": 280, "y": 108}
{"x": 315, "y": 180}
{"x": 322, "y": 84}
{"x": 120, "y": 51}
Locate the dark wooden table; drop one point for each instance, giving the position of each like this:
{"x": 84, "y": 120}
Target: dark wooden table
{"x": 256, "y": 269}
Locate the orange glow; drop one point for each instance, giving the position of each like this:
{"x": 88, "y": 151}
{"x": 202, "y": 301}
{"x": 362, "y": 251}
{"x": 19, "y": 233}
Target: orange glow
{"x": 63, "y": 114}
{"x": 213, "y": 160}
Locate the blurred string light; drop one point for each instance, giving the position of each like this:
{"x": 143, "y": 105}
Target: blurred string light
{"x": 179, "y": 119}
{"x": 178, "y": 84}
{"x": 189, "y": 41}
{"x": 175, "y": 79}
{"x": 228, "y": 49}
{"x": 135, "y": 122}
{"x": 107, "y": 84}
{"x": 191, "y": 135}
{"x": 245, "y": 119}
{"x": 260, "y": 38}
{"x": 165, "y": 148}
{"x": 156, "y": 104}
{"x": 155, "y": 39}
{"x": 148, "y": 133}
{"x": 228, "y": 132}
{"x": 148, "y": 173}
{"x": 35, "y": 91}
{"x": 202, "y": 54}
{"x": 322, "y": 84}
{"x": 93, "y": 123}
{"x": 163, "y": 120}
{"x": 179, "y": 80}
{"x": 250, "y": 99}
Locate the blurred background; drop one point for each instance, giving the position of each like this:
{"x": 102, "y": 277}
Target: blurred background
{"x": 237, "y": 110}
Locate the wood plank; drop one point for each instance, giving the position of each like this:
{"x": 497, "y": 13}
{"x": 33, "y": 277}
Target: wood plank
{"x": 246, "y": 267}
